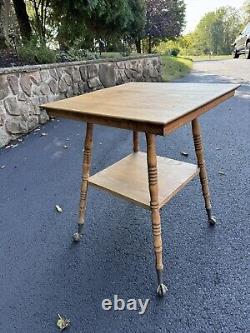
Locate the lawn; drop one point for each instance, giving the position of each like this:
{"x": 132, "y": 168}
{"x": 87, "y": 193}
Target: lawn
{"x": 175, "y": 67}
{"x": 207, "y": 57}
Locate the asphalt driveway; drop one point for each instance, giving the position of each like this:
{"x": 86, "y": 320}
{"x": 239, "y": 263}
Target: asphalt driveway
{"x": 206, "y": 269}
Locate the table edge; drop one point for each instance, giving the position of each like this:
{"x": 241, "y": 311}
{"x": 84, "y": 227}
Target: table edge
{"x": 158, "y": 128}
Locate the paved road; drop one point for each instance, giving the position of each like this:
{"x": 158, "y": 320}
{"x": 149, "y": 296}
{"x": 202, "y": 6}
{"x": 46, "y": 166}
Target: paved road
{"x": 42, "y": 273}
{"x": 236, "y": 69}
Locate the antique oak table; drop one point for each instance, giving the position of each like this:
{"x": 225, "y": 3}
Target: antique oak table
{"x": 144, "y": 178}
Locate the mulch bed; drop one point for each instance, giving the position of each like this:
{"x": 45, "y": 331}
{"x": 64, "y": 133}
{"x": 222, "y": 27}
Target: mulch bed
{"x": 8, "y": 59}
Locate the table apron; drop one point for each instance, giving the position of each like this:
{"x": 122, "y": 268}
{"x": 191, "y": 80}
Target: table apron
{"x": 153, "y": 128}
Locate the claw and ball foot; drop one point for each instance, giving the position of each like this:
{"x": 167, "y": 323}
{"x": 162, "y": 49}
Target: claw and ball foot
{"x": 211, "y": 218}
{"x": 78, "y": 235}
{"x": 162, "y": 290}
{"x": 85, "y": 177}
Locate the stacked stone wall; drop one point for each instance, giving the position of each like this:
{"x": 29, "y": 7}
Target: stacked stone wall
{"x": 23, "y": 89}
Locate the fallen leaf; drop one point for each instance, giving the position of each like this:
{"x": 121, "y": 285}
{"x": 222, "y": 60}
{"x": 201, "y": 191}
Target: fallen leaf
{"x": 59, "y": 209}
{"x": 44, "y": 134}
{"x": 62, "y": 323}
{"x": 65, "y": 147}
{"x": 100, "y": 143}
{"x": 2, "y": 167}
{"x": 222, "y": 173}
{"x": 218, "y": 148}
{"x": 183, "y": 153}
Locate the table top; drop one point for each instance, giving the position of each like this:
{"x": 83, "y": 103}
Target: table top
{"x": 157, "y": 108}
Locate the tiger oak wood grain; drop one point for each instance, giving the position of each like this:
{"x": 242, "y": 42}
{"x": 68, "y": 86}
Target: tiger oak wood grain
{"x": 157, "y": 108}
{"x": 128, "y": 178}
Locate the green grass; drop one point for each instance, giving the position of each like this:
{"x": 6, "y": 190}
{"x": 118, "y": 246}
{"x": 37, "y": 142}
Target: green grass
{"x": 175, "y": 67}
{"x": 207, "y": 57}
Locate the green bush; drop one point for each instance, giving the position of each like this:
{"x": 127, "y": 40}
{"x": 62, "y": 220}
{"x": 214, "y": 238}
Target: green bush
{"x": 174, "y": 52}
{"x": 32, "y": 52}
{"x": 75, "y": 54}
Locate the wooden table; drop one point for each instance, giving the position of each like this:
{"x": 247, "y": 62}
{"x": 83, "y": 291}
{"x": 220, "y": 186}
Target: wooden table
{"x": 144, "y": 178}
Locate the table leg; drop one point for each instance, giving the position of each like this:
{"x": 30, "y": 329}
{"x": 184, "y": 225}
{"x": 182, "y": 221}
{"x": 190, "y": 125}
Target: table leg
{"x": 136, "y": 143}
{"x": 203, "y": 172}
{"x": 85, "y": 176}
{"x": 155, "y": 212}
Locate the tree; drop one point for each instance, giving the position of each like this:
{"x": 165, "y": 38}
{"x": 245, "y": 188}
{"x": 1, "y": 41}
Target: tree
{"x": 135, "y": 28}
{"x": 246, "y": 9}
{"x": 4, "y": 24}
{"x": 40, "y": 12}
{"x": 97, "y": 18}
{"x": 216, "y": 31}
{"x": 164, "y": 19}
{"x": 23, "y": 19}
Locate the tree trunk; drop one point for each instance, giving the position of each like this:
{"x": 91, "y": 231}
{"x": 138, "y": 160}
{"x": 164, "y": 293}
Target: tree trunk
{"x": 4, "y": 24}
{"x": 138, "y": 45}
{"x": 23, "y": 19}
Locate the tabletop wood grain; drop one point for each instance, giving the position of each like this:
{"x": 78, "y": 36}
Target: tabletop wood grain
{"x": 128, "y": 178}
{"x": 158, "y": 108}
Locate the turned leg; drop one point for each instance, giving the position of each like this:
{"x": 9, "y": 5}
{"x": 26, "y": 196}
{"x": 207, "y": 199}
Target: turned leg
{"x": 155, "y": 212}
{"x": 136, "y": 143}
{"x": 85, "y": 176}
{"x": 203, "y": 172}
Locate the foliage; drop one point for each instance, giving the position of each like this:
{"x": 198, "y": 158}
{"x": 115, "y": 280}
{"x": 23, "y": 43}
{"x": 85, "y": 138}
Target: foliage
{"x": 40, "y": 14}
{"x": 216, "y": 31}
{"x": 164, "y": 19}
{"x": 182, "y": 44}
{"x": 246, "y": 9}
{"x": 34, "y": 53}
{"x": 175, "y": 67}
{"x": 118, "y": 23}
{"x": 174, "y": 52}
{"x": 214, "y": 34}
{"x": 23, "y": 19}
{"x": 136, "y": 25}
{"x": 97, "y": 19}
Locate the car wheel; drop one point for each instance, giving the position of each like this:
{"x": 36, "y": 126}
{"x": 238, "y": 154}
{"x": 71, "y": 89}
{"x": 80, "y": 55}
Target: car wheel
{"x": 247, "y": 51}
{"x": 235, "y": 54}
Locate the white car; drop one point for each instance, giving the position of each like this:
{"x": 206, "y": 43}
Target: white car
{"x": 242, "y": 43}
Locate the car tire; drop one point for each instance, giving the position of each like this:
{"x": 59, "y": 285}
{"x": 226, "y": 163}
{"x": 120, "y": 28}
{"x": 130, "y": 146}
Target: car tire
{"x": 247, "y": 51}
{"x": 235, "y": 54}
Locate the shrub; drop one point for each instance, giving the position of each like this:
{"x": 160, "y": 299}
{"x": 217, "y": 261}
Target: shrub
{"x": 174, "y": 52}
{"x": 32, "y": 52}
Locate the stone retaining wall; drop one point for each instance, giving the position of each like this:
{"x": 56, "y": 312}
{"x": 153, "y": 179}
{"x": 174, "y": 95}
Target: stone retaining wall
{"x": 23, "y": 89}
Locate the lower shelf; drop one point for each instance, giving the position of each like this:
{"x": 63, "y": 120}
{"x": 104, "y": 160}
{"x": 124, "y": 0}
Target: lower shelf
{"x": 128, "y": 178}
